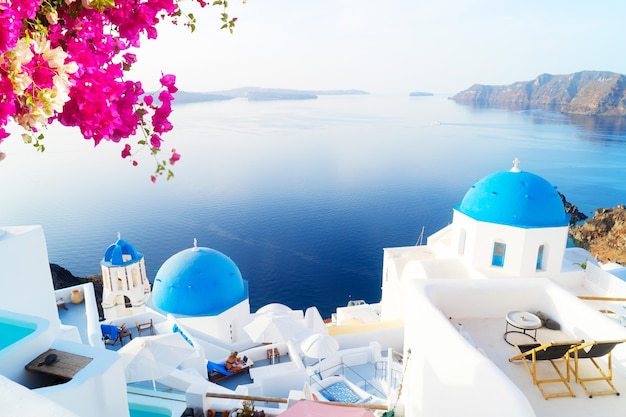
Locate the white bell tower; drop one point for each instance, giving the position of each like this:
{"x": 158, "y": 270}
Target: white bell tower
{"x": 125, "y": 285}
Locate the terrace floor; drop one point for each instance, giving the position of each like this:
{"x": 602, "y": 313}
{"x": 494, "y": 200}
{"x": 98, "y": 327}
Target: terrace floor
{"x": 487, "y": 335}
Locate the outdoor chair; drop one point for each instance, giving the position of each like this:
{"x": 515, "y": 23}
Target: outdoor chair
{"x": 217, "y": 371}
{"x": 533, "y": 353}
{"x": 592, "y": 350}
{"x": 144, "y": 326}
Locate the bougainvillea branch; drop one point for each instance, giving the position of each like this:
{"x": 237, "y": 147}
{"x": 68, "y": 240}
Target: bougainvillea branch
{"x": 65, "y": 61}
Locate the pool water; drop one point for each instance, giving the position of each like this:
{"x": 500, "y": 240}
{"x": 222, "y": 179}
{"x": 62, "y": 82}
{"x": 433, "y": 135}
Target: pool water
{"x": 140, "y": 410}
{"x": 340, "y": 392}
{"x": 12, "y": 331}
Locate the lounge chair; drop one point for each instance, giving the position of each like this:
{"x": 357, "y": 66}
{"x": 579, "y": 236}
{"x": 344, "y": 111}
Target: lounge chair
{"x": 112, "y": 334}
{"x": 596, "y": 349}
{"x": 217, "y": 371}
{"x": 551, "y": 352}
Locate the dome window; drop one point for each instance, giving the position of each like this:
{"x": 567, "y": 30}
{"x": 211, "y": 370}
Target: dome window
{"x": 499, "y": 251}
{"x": 540, "y": 257}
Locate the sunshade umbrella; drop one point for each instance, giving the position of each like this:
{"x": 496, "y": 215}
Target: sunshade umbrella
{"x": 153, "y": 357}
{"x": 305, "y": 408}
{"x": 274, "y": 328}
{"x": 319, "y": 346}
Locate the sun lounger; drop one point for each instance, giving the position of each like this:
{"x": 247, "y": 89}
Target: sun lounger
{"x": 552, "y": 352}
{"x": 592, "y": 350}
{"x": 217, "y": 371}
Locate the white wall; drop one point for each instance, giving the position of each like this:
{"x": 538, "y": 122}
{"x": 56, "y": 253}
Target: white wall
{"x": 14, "y": 357}
{"x": 227, "y": 326}
{"x": 25, "y": 272}
{"x": 521, "y": 245}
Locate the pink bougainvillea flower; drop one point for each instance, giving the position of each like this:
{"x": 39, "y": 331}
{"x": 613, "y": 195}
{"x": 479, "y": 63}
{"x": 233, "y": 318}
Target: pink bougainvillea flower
{"x": 67, "y": 61}
{"x": 168, "y": 81}
{"x": 175, "y": 157}
{"x": 130, "y": 58}
{"x": 155, "y": 141}
{"x": 126, "y": 151}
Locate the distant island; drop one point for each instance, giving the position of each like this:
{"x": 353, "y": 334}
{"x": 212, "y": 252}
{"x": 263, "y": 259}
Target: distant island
{"x": 259, "y": 94}
{"x": 420, "y": 94}
{"x": 590, "y": 93}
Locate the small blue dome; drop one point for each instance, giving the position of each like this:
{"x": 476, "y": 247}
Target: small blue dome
{"x": 198, "y": 282}
{"x": 121, "y": 253}
{"x": 515, "y": 198}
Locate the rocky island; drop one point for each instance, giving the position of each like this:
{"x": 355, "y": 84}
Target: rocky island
{"x": 259, "y": 94}
{"x": 591, "y": 93}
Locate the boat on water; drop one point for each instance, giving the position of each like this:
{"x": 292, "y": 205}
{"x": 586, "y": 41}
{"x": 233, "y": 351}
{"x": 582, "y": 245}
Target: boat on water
{"x": 459, "y": 322}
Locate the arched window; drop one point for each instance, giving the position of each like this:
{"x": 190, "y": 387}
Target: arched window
{"x": 462, "y": 239}
{"x": 539, "y": 265}
{"x": 127, "y": 302}
{"x": 499, "y": 250}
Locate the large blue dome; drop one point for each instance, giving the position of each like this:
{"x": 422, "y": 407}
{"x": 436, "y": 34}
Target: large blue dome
{"x": 121, "y": 253}
{"x": 515, "y": 198}
{"x": 198, "y": 282}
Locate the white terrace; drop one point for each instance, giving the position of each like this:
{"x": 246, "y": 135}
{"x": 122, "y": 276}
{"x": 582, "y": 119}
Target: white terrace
{"x": 454, "y": 372}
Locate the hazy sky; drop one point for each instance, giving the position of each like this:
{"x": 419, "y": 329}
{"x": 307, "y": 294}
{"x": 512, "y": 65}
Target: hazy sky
{"x": 388, "y": 46}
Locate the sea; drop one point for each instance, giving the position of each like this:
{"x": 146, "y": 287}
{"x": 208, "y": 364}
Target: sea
{"x": 302, "y": 195}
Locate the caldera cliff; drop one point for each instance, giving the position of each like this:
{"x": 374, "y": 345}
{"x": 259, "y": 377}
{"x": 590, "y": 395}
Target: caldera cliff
{"x": 594, "y": 93}
{"x": 604, "y": 235}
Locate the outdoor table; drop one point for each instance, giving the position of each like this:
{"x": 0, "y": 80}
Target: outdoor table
{"x": 522, "y": 322}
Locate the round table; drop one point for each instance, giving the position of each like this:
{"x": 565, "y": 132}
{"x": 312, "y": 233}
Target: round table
{"x": 522, "y": 322}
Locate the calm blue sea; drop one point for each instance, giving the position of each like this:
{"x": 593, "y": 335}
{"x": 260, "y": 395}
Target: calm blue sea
{"x": 302, "y": 195}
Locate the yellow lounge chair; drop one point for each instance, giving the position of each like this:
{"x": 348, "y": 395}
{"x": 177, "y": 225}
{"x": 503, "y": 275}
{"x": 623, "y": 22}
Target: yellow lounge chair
{"x": 551, "y": 352}
{"x": 596, "y": 349}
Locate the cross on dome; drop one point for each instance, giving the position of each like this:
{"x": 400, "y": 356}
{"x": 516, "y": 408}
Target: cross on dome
{"x": 195, "y": 244}
{"x": 515, "y": 168}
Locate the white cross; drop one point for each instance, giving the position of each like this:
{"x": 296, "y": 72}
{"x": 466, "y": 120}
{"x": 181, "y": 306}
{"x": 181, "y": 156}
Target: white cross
{"x": 516, "y": 165}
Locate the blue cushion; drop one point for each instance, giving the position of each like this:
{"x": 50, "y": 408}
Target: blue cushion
{"x": 328, "y": 395}
{"x": 217, "y": 367}
{"x": 109, "y": 331}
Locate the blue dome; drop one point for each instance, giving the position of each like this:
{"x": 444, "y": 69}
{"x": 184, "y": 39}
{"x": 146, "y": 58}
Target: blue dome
{"x": 198, "y": 282}
{"x": 515, "y": 198}
{"x": 121, "y": 253}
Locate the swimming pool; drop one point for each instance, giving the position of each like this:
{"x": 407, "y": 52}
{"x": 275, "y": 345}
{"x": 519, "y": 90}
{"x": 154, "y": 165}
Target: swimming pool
{"x": 142, "y": 410}
{"x": 340, "y": 392}
{"x": 12, "y": 331}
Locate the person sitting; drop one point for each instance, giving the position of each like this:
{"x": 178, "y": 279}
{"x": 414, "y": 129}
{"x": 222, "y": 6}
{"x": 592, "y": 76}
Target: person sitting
{"x": 233, "y": 362}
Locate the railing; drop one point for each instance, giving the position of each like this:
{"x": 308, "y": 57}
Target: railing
{"x": 348, "y": 372}
{"x": 285, "y": 400}
{"x": 610, "y": 310}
